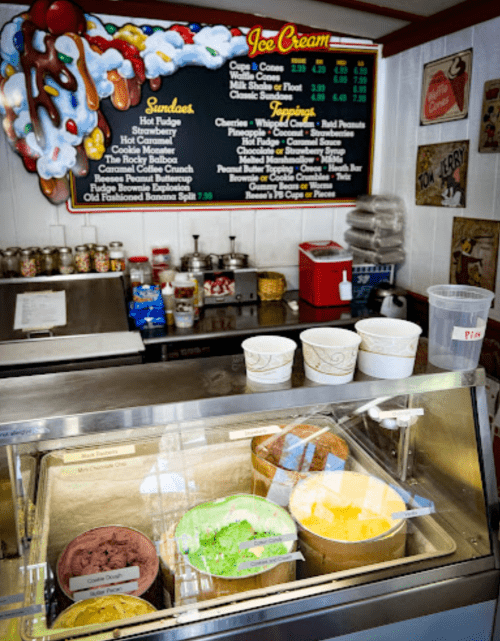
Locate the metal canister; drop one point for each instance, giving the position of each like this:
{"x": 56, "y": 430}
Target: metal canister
{"x": 27, "y": 263}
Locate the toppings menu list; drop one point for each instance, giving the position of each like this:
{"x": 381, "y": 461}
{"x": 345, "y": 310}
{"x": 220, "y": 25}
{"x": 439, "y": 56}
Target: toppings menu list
{"x": 270, "y": 130}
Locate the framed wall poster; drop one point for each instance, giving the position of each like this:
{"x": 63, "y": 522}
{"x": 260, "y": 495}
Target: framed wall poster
{"x": 441, "y": 177}
{"x": 489, "y": 133}
{"x": 446, "y": 88}
{"x": 474, "y": 252}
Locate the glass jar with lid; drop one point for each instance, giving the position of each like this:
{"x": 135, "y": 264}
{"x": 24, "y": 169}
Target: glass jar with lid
{"x": 101, "y": 258}
{"x": 49, "y": 261}
{"x": 27, "y": 263}
{"x": 117, "y": 257}
{"x": 10, "y": 263}
{"x": 91, "y": 247}
{"x": 66, "y": 265}
{"x": 140, "y": 271}
{"x": 82, "y": 259}
{"x": 160, "y": 262}
{"x": 37, "y": 253}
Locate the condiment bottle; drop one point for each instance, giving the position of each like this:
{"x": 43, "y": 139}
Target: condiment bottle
{"x": 183, "y": 300}
{"x": 66, "y": 265}
{"x": 10, "y": 263}
{"x": 168, "y": 302}
{"x": 101, "y": 259}
{"x": 27, "y": 263}
{"x": 82, "y": 259}
{"x": 117, "y": 257}
{"x": 198, "y": 296}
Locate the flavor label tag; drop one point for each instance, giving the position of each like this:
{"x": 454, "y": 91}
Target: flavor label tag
{"x": 21, "y": 612}
{"x": 121, "y": 588}
{"x": 469, "y": 333}
{"x": 254, "y": 431}
{"x": 106, "y": 452}
{"x": 12, "y": 598}
{"x": 281, "y": 538}
{"x": 410, "y": 514}
{"x": 20, "y": 434}
{"x": 282, "y": 558}
{"x": 103, "y": 578}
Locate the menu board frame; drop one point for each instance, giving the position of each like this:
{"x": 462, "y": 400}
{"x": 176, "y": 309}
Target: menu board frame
{"x": 335, "y": 50}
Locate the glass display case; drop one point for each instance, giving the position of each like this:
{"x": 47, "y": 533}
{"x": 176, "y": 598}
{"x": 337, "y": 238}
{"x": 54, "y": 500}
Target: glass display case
{"x": 179, "y": 500}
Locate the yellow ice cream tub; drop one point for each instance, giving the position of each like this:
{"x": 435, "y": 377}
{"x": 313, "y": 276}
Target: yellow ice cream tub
{"x": 345, "y": 520}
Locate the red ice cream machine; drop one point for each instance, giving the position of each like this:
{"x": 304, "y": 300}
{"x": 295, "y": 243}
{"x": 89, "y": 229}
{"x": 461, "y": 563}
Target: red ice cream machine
{"x": 325, "y": 273}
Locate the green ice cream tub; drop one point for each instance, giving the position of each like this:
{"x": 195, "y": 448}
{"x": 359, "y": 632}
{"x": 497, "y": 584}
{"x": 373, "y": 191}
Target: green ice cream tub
{"x": 228, "y": 522}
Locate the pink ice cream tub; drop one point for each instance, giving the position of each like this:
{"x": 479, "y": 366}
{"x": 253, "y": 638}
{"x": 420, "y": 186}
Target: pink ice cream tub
{"x": 107, "y": 560}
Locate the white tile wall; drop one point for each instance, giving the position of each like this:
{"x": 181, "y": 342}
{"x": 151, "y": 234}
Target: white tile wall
{"x": 271, "y": 237}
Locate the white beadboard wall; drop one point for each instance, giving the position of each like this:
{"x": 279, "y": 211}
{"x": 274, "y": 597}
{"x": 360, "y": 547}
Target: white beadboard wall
{"x": 271, "y": 236}
{"x": 429, "y": 229}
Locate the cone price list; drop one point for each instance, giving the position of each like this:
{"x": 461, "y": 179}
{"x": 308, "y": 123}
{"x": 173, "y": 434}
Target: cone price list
{"x": 269, "y": 130}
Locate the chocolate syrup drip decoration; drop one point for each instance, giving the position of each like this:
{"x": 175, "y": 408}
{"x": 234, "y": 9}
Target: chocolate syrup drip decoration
{"x": 45, "y": 65}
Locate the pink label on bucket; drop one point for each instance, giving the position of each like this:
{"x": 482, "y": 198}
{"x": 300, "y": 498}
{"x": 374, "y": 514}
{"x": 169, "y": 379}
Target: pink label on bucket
{"x": 468, "y": 333}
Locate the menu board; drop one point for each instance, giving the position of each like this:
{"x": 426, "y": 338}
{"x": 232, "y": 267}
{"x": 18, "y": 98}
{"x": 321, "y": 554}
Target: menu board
{"x": 278, "y": 130}
{"x": 147, "y": 116}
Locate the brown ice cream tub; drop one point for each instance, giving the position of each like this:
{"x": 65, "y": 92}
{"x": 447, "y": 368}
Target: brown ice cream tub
{"x": 109, "y": 549}
{"x": 265, "y": 462}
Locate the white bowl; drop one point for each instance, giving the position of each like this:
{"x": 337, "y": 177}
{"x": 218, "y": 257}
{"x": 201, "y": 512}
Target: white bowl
{"x": 388, "y": 347}
{"x": 268, "y": 358}
{"x": 329, "y": 354}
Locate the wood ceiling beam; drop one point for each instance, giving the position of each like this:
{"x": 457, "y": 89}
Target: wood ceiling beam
{"x": 160, "y": 10}
{"x": 375, "y": 9}
{"x": 461, "y": 16}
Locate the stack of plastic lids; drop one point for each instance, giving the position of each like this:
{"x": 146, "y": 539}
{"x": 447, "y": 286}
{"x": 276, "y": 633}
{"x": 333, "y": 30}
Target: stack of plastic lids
{"x": 376, "y": 233}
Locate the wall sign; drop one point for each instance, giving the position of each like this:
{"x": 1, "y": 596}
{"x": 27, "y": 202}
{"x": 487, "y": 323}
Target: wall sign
{"x": 489, "y": 132}
{"x": 147, "y": 116}
{"x": 441, "y": 179}
{"x": 474, "y": 252}
{"x": 446, "y": 88}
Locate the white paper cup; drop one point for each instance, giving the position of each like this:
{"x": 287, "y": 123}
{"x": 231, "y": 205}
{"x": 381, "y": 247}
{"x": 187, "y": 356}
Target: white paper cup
{"x": 329, "y": 354}
{"x": 388, "y": 347}
{"x": 268, "y": 358}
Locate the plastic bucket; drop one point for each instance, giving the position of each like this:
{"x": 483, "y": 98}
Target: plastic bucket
{"x": 457, "y": 323}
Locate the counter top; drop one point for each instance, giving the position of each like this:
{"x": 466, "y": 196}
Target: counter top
{"x": 127, "y": 397}
{"x": 246, "y": 319}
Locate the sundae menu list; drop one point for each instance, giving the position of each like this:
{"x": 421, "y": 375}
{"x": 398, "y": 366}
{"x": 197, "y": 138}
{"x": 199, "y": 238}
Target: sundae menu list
{"x": 167, "y": 115}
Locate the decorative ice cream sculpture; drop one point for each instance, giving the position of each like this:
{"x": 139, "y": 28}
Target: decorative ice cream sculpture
{"x": 58, "y": 63}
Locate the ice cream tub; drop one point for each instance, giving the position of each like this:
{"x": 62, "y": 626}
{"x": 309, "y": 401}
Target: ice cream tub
{"x": 347, "y": 520}
{"x": 215, "y": 554}
{"x": 295, "y": 455}
{"x": 101, "y": 610}
{"x": 108, "y": 560}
